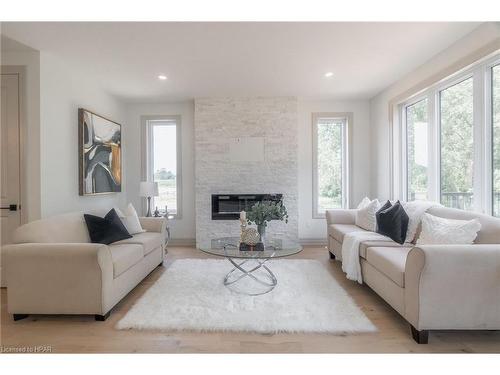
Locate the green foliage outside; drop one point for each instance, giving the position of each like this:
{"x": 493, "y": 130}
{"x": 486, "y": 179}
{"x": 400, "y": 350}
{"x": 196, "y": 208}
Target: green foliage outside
{"x": 457, "y": 140}
{"x": 167, "y": 190}
{"x": 457, "y": 147}
{"x": 329, "y": 165}
{"x": 163, "y": 174}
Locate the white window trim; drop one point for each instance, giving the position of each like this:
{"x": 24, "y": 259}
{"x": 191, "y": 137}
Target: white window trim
{"x": 480, "y": 71}
{"x": 347, "y": 118}
{"x": 147, "y": 154}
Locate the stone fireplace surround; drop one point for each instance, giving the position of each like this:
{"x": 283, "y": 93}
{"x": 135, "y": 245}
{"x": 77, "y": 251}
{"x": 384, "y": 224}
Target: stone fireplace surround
{"x": 269, "y": 125}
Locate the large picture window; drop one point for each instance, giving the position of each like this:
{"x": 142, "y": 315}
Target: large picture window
{"x": 330, "y": 164}
{"x": 450, "y": 141}
{"x": 417, "y": 155}
{"x": 495, "y": 85}
{"x": 457, "y": 145}
{"x": 163, "y": 162}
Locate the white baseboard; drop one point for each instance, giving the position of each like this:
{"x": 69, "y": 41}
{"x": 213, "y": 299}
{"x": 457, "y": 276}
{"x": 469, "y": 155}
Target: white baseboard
{"x": 313, "y": 241}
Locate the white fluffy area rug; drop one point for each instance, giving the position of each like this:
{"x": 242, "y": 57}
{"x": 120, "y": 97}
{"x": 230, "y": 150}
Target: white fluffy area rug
{"x": 190, "y": 296}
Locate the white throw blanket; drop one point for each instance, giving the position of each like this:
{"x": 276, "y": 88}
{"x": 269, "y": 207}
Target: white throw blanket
{"x": 350, "y": 252}
{"x": 350, "y": 246}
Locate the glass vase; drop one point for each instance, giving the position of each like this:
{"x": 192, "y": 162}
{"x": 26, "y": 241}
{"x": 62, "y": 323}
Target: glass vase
{"x": 261, "y": 228}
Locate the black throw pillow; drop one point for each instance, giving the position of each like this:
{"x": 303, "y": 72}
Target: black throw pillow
{"x": 386, "y": 205}
{"x": 107, "y": 229}
{"x": 393, "y": 222}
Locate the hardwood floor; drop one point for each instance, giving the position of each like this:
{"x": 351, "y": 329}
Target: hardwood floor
{"x": 82, "y": 334}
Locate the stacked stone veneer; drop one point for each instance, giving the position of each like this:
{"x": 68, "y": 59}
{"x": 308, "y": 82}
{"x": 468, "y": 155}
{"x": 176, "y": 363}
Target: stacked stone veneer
{"x": 219, "y": 120}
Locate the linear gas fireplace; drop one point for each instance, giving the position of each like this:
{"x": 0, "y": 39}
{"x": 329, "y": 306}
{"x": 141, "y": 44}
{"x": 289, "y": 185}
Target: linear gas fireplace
{"x": 229, "y": 206}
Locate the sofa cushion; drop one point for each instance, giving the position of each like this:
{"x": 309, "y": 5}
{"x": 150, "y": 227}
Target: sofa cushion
{"x": 66, "y": 228}
{"x": 338, "y": 231}
{"x": 148, "y": 240}
{"x": 378, "y": 243}
{"x": 390, "y": 261}
{"x": 125, "y": 256}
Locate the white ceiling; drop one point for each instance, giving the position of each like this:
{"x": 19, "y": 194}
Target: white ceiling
{"x": 241, "y": 59}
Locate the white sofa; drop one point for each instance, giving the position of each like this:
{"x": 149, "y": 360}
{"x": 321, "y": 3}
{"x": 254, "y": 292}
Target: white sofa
{"x": 434, "y": 287}
{"x": 53, "y": 268}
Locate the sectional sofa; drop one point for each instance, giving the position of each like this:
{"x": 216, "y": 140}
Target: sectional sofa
{"x": 53, "y": 268}
{"x": 434, "y": 287}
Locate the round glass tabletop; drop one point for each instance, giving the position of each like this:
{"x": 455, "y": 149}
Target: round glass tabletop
{"x": 229, "y": 247}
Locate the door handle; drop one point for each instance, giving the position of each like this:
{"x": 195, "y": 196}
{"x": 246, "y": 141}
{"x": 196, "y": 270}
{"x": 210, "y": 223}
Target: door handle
{"x": 11, "y": 207}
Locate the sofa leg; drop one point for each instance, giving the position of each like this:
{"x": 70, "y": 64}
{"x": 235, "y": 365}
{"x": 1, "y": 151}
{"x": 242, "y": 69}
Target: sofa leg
{"x": 332, "y": 256}
{"x": 421, "y": 337}
{"x": 102, "y": 318}
{"x": 161, "y": 264}
{"x": 19, "y": 317}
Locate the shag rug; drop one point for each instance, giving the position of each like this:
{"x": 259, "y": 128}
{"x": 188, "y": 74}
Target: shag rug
{"x": 190, "y": 295}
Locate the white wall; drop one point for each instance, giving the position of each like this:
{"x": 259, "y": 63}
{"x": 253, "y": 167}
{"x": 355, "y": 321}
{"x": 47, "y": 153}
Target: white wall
{"x": 309, "y": 228}
{"x": 28, "y": 60}
{"x": 481, "y": 41}
{"x": 184, "y": 228}
{"x": 62, "y": 91}
{"x": 314, "y": 229}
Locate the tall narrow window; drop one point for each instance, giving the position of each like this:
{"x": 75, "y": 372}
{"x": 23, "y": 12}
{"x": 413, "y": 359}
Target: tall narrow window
{"x": 417, "y": 155}
{"x": 164, "y": 166}
{"x": 495, "y": 73}
{"x": 457, "y": 145}
{"x": 330, "y": 163}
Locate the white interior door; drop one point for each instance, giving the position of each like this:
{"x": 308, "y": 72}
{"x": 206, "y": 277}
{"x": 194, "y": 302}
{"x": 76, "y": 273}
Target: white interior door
{"x": 10, "y": 187}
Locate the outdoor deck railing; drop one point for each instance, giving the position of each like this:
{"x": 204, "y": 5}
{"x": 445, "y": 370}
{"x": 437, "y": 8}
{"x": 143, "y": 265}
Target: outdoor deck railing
{"x": 464, "y": 201}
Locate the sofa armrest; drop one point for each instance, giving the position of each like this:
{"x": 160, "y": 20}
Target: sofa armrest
{"x": 153, "y": 224}
{"x": 340, "y": 216}
{"x": 58, "y": 278}
{"x": 453, "y": 286}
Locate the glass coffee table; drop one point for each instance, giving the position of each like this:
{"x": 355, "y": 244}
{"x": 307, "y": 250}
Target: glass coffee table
{"x": 250, "y": 265}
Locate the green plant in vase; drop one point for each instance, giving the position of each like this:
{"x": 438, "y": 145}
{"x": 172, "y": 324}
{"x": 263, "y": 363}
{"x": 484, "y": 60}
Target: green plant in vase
{"x": 263, "y": 212}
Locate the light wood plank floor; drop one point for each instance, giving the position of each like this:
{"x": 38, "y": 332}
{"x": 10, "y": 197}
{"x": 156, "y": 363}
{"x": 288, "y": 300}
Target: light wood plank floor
{"x": 81, "y": 334}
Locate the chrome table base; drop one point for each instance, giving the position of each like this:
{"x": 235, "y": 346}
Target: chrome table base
{"x": 239, "y": 272}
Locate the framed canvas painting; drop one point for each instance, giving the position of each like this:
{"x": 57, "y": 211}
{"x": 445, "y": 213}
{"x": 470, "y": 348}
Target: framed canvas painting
{"x": 99, "y": 147}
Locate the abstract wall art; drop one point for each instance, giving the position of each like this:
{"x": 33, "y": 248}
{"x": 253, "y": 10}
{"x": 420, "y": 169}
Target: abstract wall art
{"x": 99, "y": 141}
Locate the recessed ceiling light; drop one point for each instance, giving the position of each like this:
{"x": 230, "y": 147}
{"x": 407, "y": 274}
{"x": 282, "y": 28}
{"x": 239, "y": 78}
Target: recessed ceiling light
{"x": 162, "y": 77}
{"x": 328, "y": 74}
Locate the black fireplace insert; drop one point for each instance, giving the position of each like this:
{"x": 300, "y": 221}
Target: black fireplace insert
{"x": 229, "y": 206}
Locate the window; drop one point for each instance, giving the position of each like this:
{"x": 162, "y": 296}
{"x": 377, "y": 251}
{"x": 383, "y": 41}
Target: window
{"x": 449, "y": 141}
{"x": 329, "y": 162}
{"x": 163, "y": 162}
{"x": 417, "y": 155}
{"x": 495, "y": 84}
{"x": 457, "y": 145}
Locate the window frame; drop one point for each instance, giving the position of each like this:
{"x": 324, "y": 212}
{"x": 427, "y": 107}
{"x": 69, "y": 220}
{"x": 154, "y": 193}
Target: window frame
{"x": 347, "y": 119}
{"x": 489, "y": 136}
{"x": 147, "y": 164}
{"x": 480, "y": 72}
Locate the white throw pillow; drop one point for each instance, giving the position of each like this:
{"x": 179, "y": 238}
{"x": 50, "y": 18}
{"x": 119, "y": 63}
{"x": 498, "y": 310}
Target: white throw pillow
{"x": 415, "y": 210}
{"x": 438, "y": 230}
{"x": 365, "y": 202}
{"x": 365, "y": 216}
{"x": 130, "y": 219}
